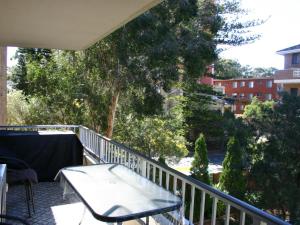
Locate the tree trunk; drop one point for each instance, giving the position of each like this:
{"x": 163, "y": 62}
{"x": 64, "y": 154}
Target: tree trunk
{"x": 112, "y": 112}
{"x": 116, "y": 89}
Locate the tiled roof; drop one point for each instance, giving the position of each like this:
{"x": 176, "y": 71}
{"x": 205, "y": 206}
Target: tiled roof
{"x": 292, "y": 48}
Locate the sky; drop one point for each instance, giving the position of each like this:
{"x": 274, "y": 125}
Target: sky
{"x": 281, "y": 30}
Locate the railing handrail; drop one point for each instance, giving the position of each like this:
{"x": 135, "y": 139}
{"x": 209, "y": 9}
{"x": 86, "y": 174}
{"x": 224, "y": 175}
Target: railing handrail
{"x": 39, "y": 126}
{"x": 239, "y": 204}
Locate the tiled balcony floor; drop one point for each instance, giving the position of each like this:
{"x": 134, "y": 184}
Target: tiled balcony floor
{"x": 50, "y": 208}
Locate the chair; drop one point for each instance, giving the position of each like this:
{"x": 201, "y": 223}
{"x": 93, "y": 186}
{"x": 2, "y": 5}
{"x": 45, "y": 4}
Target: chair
{"x": 19, "y": 172}
{"x": 14, "y": 220}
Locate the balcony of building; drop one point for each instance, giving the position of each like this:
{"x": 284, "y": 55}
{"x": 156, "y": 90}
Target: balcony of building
{"x": 288, "y": 80}
{"x": 52, "y": 208}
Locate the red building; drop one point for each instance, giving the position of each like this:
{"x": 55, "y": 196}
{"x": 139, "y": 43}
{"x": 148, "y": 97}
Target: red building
{"x": 244, "y": 89}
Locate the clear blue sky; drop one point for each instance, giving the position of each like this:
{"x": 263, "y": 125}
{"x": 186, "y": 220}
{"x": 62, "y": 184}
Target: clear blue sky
{"x": 280, "y": 31}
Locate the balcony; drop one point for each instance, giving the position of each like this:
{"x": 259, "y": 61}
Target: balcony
{"x": 287, "y": 76}
{"x": 51, "y": 208}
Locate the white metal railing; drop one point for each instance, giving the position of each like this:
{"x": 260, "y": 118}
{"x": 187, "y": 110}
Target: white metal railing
{"x": 104, "y": 149}
{"x": 73, "y": 128}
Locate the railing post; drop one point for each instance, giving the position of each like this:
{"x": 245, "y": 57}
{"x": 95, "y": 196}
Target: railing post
{"x": 227, "y": 214}
{"x": 144, "y": 168}
{"x": 214, "y": 211}
{"x": 242, "y": 218}
{"x": 191, "y": 217}
{"x": 202, "y": 207}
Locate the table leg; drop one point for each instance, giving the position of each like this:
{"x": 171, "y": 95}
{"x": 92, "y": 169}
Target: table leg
{"x": 119, "y": 223}
{"x": 147, "y": 220}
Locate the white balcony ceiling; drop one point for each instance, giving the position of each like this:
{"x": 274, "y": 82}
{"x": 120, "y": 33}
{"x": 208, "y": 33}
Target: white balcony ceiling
{"x": 64, "y": 24}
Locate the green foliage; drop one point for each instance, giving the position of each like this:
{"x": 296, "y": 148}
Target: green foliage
{"x": 275, "y": 161}
{"x": 232, "y": 178}
{"x": 235, "y": 31}
{"x": 258, "y": 110}
{"x": 161, "y": 137}
{"x": 229, "y": 68}
{"x": 201, "y": 117}
{"x": 17, "y": 108}
{"x": 174, "y": 40}
{"x": 199, "y": 169}
{"x": 123, "y": 77}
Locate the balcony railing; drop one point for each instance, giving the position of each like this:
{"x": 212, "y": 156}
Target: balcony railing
{"x": 103, "y": 149}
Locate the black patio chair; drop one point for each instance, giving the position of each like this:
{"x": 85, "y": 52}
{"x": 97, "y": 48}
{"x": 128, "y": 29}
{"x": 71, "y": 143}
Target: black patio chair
{"x": 19, "y": 172}
{"x": 9, "y": 220}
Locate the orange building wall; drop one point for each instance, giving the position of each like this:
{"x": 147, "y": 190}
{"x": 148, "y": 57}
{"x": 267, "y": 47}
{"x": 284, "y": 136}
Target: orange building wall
{"x": 260, "y": 90}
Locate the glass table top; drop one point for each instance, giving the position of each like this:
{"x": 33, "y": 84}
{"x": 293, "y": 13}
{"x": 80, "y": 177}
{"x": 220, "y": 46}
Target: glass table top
{"x": 115, "y": 193}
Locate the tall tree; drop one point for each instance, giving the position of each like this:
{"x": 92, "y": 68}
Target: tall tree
{"x": 174, "y": 41}
{"x": 232, "y": 178}
{"x": 201, "y": 116}
{"x": 199, "y": 169}
{"x": 275, "y": 158}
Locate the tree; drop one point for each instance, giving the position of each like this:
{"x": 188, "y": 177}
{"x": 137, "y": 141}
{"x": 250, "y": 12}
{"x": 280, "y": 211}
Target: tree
{"x": 232, "y": 178}
{"x": 146, "y": 53}
{"x": 229, "y": 68}
{"x": 233, "y": 30}
{"x": 275, "y": 164}
{"x": 17, "y": 108}
{"x": 156, "y": 136}
{"x": 199, "y": 169}
{"x": 200, "y": 116}
{"x": 257, "y": 112}
{"x": 172, "y": 42}
{"x": 48, "y": 77}
{"x": 263, "y": 72}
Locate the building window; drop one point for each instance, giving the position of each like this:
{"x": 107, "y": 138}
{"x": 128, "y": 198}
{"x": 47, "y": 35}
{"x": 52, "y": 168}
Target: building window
{"x": 234, "y": 95}
{"x": 242, "y": 95}
{"x": 250, "y": 96}
{"x": 241, "y": 107}
{"x": 295, "y": 58}
{"x": 259, "y": 94}
{"x": 269, "y": 83}
{"x": 242, "y": 84}
{"x": 234, "y": 84}
{"x": 251, "y": 84}
{"x": 268, "y": 96}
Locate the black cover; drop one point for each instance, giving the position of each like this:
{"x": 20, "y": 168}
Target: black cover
{"x": 46, "y": 153}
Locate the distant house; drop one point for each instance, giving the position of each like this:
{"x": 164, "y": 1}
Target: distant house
{"x": 242, "y": 90}
{"x": 288, "y": 79}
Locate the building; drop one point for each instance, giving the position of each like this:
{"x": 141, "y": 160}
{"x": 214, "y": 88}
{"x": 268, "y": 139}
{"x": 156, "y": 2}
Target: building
{"x": 242, "y": 90}
{"x": 288, "y": 79}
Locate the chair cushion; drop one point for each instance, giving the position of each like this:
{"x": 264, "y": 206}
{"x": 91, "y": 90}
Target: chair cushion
{"x": 21, "y": 176}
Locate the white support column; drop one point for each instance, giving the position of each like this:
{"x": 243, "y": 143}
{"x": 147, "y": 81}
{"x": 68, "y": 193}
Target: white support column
{"x": 3, "y": 89}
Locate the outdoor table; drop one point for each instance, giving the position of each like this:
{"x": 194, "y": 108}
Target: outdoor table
{"x": 114, "y": 193}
